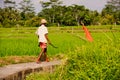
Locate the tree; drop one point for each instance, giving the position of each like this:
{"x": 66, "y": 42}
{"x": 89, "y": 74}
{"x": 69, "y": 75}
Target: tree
{"x": 95, "y": 17}
{"x": 115, "y": 4}
{"x": 66, "y": 15}
{"x": 9, "y": 14}
{"x": 112, "y": 8}
{"x": 78, "y": 12}
{"x": 53, "y": 4}
{"x": 33, "y": 22}
{"x": 9, "y": 4}
{"x": 27, "y": 9}
{"x": 107, "y": 19}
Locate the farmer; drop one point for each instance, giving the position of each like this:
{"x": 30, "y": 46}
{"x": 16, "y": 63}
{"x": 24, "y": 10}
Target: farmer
{"x": 42, "y": 33}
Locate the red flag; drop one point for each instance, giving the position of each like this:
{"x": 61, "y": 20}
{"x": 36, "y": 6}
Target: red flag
{"x": 88, "y": 35}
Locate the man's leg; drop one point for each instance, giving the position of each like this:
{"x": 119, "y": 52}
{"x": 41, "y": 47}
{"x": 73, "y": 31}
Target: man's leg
{"x": 42, "y": 51}
{"x": 45, "y": 54}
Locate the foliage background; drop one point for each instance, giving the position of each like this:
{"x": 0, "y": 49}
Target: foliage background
{"x": 56, "y": 14}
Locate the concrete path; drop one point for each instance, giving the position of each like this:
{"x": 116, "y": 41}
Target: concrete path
{"x": 19, "y": 71}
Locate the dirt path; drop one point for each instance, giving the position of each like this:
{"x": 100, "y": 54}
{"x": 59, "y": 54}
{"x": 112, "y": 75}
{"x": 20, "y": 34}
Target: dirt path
{"x": 19, "y": 71}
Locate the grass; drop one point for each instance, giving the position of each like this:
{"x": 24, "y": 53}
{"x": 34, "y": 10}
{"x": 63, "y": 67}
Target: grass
{"x": 82, "y": 60}
{"x": 99, "y": 60}
{"x": 24, "y": 42}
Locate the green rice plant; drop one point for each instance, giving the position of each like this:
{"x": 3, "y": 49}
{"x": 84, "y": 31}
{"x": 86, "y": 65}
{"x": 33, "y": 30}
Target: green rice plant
{"x": 97, "y": 60}
{"x": 37, "y": 76}
{"x": 15, "y": 43}
{"x": 83, "y": 60}
{"x": 23, "y": 41}
{"x": 92, "y": 61}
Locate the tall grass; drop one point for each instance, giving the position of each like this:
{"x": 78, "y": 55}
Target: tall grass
{"x": 83, "y": 60}
{"x": 99, "y": 60}
{"x": 94, "y": 61}
{"x": 25, "y": 42}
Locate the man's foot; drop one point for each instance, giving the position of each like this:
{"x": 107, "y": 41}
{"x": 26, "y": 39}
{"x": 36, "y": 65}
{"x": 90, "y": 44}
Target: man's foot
{"x": 47, "y": 60}
{"x": 38, "y": 62}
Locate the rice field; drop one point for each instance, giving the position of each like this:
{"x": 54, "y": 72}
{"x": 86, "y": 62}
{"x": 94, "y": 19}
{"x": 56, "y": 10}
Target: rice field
{"x": 23, "y": 41}
{"x": 97, "y": 60}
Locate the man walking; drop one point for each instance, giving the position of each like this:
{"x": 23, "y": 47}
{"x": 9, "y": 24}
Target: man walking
{"x": 43, "y": 39}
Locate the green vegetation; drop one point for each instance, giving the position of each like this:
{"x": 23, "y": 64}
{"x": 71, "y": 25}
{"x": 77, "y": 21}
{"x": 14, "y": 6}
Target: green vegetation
{"x": 98, "y": 60}
{"x": 81, "y": 59}
{"x": 94, "y": 61}
{"x": 23, "y": 41}
{"x": 14, "y": 15}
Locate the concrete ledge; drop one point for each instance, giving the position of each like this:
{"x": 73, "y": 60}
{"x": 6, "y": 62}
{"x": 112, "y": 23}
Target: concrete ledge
{"x": 19, "y": 71}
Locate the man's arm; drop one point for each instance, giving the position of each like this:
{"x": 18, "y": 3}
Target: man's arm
{"x": 46, "y": 36}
